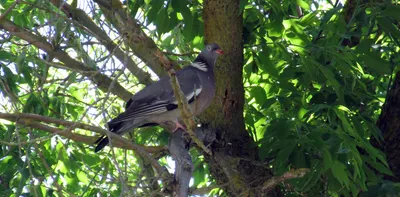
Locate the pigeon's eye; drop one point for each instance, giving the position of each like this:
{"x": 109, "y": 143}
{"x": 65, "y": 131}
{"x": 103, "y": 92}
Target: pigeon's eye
{"x": 209, "y": 48}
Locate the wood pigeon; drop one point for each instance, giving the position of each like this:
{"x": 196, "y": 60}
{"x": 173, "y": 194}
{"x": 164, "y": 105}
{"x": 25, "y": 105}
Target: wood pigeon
{"x": 156, "y": 104}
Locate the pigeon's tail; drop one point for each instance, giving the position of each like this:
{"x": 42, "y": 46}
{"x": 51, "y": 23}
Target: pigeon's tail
{"x": 101, "y": 143}
{"x": 118, "y": 128}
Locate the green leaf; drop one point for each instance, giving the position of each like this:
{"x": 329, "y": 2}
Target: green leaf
{"x": 82, "y": 177}
{"x": 10, "y": 79}
{"x": 318, "y": 98}
{"x": 388, "y": 27}
{"x": 309, "y": 18}
{"x": 162, "y": 21}
{"x": 5, "y": 55}
{"x": 153, "y": 12}
{"x": 259, "y": 94}
{"x": 26, "y": 72}
{"x": 327, "y": 159}
{"x": 266, "y": 64}
{"x": 180, "y": 6}
{"x": 283, "y": 155}
{"x": 393, "y": 11}
{"x": 71, "y": 79}
{"x": 135, "y": 6}
{"x": 243, "y": 4}
{"x": 328, "y": 15}
{"x": 299, "y": 158}
{"x": 189, "y": 28}
{"x": 303, "y": 4}
{"x": 376, "y": 63}
{"x": 339, "y": 171}
{"x": 5, "y": 163}
{"x": 275, "y": 28}
{"x": 199, "y": 175}
{"x": 344, "y": 119}
{"x": 380, "y": 167}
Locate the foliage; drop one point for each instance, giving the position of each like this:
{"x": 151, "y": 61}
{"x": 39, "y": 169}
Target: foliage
{"x": 312, "y": 102}
{"x": 312, "y": 99}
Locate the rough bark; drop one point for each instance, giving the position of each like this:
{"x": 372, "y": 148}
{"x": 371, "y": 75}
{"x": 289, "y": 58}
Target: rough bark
{"x": 179, "y": 150}
{"x": 233, "y": 150}
{"x": 142, "y": 45}
{"x": 389, "y": 124}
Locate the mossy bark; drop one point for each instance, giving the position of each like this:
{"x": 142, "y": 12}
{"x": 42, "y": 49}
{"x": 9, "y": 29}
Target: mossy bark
{"x": 234, "y": 152}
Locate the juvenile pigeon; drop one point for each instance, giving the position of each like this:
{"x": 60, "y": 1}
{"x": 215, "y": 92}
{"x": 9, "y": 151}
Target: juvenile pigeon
{"x": 156, "y": 104}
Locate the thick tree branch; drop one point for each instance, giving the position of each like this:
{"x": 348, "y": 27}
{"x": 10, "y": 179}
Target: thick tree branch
{"x": 81, "y": 18}
{"x": 33, "y": 124}
{"x": 142, "y": 45}
{"x": 274, "y": 181}
{"x": 178, "y": 147}
{"x": 101, "y": 80}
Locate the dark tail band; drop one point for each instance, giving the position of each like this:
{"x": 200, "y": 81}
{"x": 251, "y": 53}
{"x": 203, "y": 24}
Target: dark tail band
{"x": 101, "y": 143}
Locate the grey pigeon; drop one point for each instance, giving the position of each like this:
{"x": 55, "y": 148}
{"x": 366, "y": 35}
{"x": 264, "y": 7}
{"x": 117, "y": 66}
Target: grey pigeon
{"x": 156, "y": 103}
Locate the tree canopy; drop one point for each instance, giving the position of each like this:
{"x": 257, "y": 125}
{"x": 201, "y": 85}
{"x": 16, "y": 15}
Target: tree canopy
{"x": 306, "y": 100}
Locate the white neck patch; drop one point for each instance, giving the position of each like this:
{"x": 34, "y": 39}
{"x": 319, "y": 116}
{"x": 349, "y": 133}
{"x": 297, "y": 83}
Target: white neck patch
{"x": 200, "y": 65}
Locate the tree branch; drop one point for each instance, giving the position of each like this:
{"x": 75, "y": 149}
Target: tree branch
{"x": 30, "y": 120}
{"x": 81, "y": 18}
{"x": 274, "y": 181}
{"x": 118, "y": 141}
{"x": 101, "y": 80}
{"x": 143, "y": 46}
{"x": 178, "y": 147}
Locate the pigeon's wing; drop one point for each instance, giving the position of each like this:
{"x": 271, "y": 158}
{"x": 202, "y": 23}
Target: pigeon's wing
{"x": 190, "y": 83}
{"x": 159, "y": 97}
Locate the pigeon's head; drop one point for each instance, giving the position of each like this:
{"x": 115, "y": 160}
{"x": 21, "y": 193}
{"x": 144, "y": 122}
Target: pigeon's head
{"x": 213, "y": 48}
{"x": 209, "y": 55}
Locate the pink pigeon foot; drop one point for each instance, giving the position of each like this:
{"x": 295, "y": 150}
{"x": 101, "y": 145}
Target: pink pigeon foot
{"x": 178, "y": 126}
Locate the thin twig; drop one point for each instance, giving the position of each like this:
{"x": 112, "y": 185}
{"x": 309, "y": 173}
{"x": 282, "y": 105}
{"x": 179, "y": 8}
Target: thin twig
{"x": 32, "y": 120}
{"x": 50, "y": 171}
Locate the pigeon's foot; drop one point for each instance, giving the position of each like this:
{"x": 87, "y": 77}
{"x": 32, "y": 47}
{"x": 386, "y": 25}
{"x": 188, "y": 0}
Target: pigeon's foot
{"x": 178, "y": 126}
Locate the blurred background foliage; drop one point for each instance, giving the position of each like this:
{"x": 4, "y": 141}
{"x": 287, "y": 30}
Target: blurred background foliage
{"x": 316, "y": 74}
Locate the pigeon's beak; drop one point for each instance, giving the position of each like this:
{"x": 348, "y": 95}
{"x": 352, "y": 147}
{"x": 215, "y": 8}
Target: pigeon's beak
{"x": 219, "y": 51}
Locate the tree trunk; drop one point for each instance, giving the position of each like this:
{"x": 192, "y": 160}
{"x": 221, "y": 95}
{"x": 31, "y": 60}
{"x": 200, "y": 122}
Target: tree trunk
{"x": 234, "y": 153}
{"x": 389, "y": 124}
